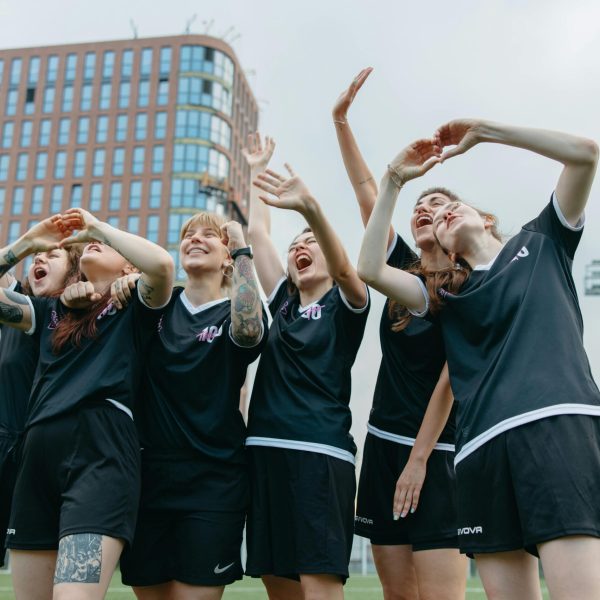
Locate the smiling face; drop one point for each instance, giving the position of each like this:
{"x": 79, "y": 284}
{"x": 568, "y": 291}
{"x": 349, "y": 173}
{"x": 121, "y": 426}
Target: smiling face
{"x": 48, "y": 272}
{"x": 202, "y": 249}
{"x": 306, "y": 263}
{"x": 421, "y": 222}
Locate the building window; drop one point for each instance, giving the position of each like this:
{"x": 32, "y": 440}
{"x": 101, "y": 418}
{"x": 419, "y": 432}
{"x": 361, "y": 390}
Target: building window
{"x": 137, "y": 163}
{"x": 85, "y": 101}
{"x": 96, "y": 197}
{"x": 41, "y": 165}
{"x": 114, "y": 201}
{"x": 143, "y": 93}
{"x": 29, "y": 101}
{"x": 22, "y": 163}
{"x": 15, "y": 71}
{"x": 108, "y": 64}
{"x": 45, "y": 132}
{"x": 8, "y": 132}
{"x": 37, "y": 199}
{"x": 121, "y": 128}
{"x": 12, "y": 99}
{"x": 14, "y": 231}
{"x": 118, "y": 165}
{"x": 102, "y": 129}
{"x": 165, "y": 60}
{"x": 76, "y": 195}
{"x": 105, "y": 94}
{"x": 17, "y": 201}
{"x": 141, "y": 126}
{"x": 155, "y": 193}
{"x": 192, "y": 158}
{"x": 60, "y": 164}
{"x": 160, "y": 125}
{"x": 1, "y": 70}
{"x": 152, "y": 228}
{"x": 48, "y": 101}
{"x": 133, "y": 224}
{"x": 162, "y": 93}
{"x": 56, "y": 199}
{"x": 79, "y": 163}
{"x": 52, "y": 68}
{"x": 203, "y": 125}
{"x": 26, "y": 131}
{"x": 204, "y": 92}
{"x": 83, "y": 130}
{"x": 71, "y": 67}
{"x": 89, "y": 65}
{"x": 146, "y": 62}
{"x": 113, "y": 222}
{"x": 158, "y": 158}
{"x": 98, "y": 166}
{"x": 127, "y": 63}
{"x": 124, "y": 94}
{"x": 67, "y": 99}
{"x": 4, "y": 166}
{"x": 64, "y": 128}
{"x": 185, "y": 194}
{"x": 135, "y": 195}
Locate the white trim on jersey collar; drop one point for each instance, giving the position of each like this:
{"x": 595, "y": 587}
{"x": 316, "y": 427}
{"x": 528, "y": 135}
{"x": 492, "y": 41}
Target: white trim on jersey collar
{"x": 403, "y": 439}
{"x": 120, "y": 406}
{"x": 194, "y": 310}
{"x": 528, "y": 417}
{"x": 561, "y": 217}
{"x": 487, "y": 266}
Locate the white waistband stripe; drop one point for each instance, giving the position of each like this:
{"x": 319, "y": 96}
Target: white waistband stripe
{"x": 402, "y": 439}
{"x": 298, "y": 445}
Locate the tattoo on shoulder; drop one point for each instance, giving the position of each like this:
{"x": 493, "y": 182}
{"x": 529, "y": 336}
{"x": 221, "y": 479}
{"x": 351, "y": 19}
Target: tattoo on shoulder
{"x": 9, "y": 313}
{"x": 79, "y": 559}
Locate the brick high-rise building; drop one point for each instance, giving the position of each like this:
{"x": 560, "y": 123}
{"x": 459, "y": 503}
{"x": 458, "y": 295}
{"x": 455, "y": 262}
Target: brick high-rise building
{"x": 142, "y": 132}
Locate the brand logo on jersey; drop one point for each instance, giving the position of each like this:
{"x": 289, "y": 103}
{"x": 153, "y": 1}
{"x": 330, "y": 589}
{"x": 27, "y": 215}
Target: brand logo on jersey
{"x": 470, "y": 530}
{"x": 363, "y": 520}
{"x": 522, "y": 253}
{"x": 284, "y": 309}
{"x": 159, "y": 325}
{"x": 109, "y": 311}
{"x": 11, "y": 531}
{"x": 208, "y": 334}
{"x": 218, "y": 570}
{"x": 313, "y": 312}
{"x": 54, "y": 320}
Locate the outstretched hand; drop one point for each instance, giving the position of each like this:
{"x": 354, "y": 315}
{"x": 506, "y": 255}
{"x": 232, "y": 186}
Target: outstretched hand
{"x": 258, "y": 156}
{"x": 342, "y": 104}
{"x": 48, "y": 234}
{"x": 415, "y": 160}
{"x": 289, "y": 193}
{"x": 408, "y": 489}
{"x": 461, "y": 133}
{"x": 81, "y": 220}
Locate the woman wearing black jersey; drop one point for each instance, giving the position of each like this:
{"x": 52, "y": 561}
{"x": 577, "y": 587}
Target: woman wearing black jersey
{"x": 50, "y": 272}
{"x": 76, "y": 493}
{"x": 416, "y": 556}
{"x": 194, "y": 472}
{"x": 528, "y": 460}
{"x": 302, "y": 454}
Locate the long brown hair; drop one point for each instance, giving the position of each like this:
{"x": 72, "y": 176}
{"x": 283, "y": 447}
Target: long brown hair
{"x": 72, "y": 275}
{"x": 438, "y": 281}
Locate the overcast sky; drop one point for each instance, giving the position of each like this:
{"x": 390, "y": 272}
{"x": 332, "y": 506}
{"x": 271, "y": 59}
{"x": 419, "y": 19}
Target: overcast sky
{"x": 524, "y": 62}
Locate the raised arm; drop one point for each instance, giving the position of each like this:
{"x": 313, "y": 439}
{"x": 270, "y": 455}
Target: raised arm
{"x": 405, "y": 288}
{"x": 246, "y": 307}
{"x": 578, "y": 155}
{"x": 155, "y": 263}
{"x": 293, "y": 194}
{"x": 268, "y": 265}
{"x": 410, "y": 482}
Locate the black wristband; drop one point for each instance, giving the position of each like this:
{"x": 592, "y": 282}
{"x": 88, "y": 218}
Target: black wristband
{"x": 247, "y": 251}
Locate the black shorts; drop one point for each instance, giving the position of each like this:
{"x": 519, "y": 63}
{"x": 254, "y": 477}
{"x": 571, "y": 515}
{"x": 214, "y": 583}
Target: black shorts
{"x": 9, "y": 443}
{"x": 301, "y": 513}
{"x": 190, "y": 524}
{"x": 531, "y": 484}
{"x": 433, "y": 525}
{"x": 79, "y": 473}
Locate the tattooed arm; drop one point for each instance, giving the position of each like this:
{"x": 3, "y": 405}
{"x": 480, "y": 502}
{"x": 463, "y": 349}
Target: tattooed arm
{"x": 156, "y": 282}
{"x": 246, "y": 307}
{"x": 15, "y": 310}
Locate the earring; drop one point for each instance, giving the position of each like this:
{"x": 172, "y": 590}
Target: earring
{"x": 227, "y": 271}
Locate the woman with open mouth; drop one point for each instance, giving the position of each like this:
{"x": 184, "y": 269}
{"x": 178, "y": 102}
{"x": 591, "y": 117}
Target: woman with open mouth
{"x": 300, "y": 525}
{"x": 409, "y": 517}
{"x": 528, "y": 428}
{"x": 49, "y": 274}
{"x": 77, "y": 488}
{"x": 195, "y": 487}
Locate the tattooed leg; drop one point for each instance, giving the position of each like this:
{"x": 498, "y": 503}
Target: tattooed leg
{"x": 79, "y": 559}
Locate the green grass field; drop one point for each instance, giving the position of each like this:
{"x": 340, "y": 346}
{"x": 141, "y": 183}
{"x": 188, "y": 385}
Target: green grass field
{"x": 363, "y": 588}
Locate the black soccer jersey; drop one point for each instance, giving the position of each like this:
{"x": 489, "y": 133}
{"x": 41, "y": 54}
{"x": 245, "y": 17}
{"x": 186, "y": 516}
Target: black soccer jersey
{"x": 18, "y": 360}
{"x": 194, "y": 372}
{"x": 514, "y": 336}
{"x": 302, "y": 387}
{"x": 105, "y": 368}
{"x": 411, "y": 363}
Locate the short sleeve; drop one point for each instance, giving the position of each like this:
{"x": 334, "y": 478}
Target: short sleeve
{"x": 278, "y": 296}
{"x": 399, "y": 254}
